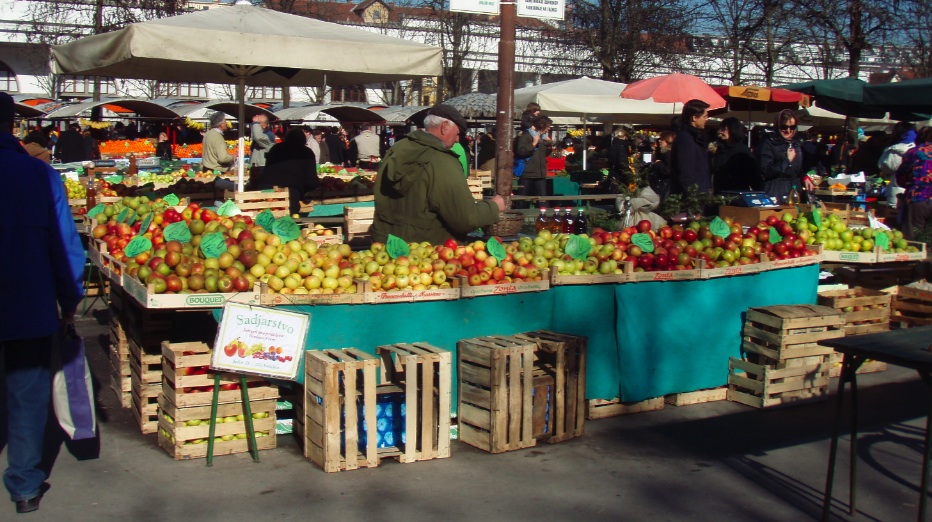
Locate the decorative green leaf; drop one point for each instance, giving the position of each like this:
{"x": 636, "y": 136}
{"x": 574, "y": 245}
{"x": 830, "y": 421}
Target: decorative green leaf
{"x": 577, "y": 247}
{"x": 643, "y": 241}
{"x": 496, "y": 249}
{"x": 882, "y": 240}
{"x": 775, "y": 236}
{"x": 286, "y": 228}
{"x": 817, "y": 217}
{"x": 396, "y": 247}
{"x": 121, "y": 217}
{"x": 114, "y": 179}
{"x": 146, "y": 221}
{"x": 137, "y": 245}
{"x": 96, "y": 210}
{"x": 172, "y": 199}
{"x": 212, "y": 245}
{"x": 719, "y": 228}
{"x": 178, "y": 232}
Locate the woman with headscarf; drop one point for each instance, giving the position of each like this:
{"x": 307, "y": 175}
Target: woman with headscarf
{"x": 915, "y": 175}
{"x": 781, "y": 160}
{"x": 733, "y": 165}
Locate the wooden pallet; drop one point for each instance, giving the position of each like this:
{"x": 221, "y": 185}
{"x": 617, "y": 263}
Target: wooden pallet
{"x": 761, "y": 386}
{"x": 183, "y": 432}
{"x": 496, "y": 383}
{"x": 604, "y": 408}
{"x": 696, "y": 397}
{"x": 187, "y": 381}
{"x": 424, "y": 373}
{"x": 866, "y": 311}
{"x": 566, "y": 354}
{"x": 336, "y": 383}
{"x": 275, "y": 200}
{"x": 779, "y": 333}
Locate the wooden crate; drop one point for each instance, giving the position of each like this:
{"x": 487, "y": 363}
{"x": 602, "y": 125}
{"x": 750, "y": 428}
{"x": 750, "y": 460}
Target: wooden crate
{"x": 761, "y": 386}
{"x": 336, "y": 382}
{"x": 869, "y": 366}
{"x": 256, "y": 201}
{"x": 475, "y": 187}
{"x": 604, "y": 408}
{"x": 484, "y": 177}
{"x": 187, "y": 381}
{"x": 912, "y": 306}
{"x": 696, "y": 397}
{"x": 357, "y": 223}
{"x": 496, "y": 382}
{"x": 188, "y": 441}
{"x": 865, "y": 310}
{"x": 424, "y": 373}
{"x": 774, "y": 334}
{"x": 566, "y": 354}
{"x": 146, "y": 386}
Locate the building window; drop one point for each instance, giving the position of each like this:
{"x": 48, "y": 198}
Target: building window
{"x": 355, "y": 93}
{"x": 192, "y": 90}
{"x": 7, "y": 79}
{"x": 84, "y": 85}
{"x": 264, "y": 93}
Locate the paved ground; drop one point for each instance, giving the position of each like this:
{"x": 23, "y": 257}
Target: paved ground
{"x": 716, "y": 461}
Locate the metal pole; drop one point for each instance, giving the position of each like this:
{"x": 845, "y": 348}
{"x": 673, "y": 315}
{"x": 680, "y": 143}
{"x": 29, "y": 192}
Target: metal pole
{"x": 241, "y": 128}
{"x": 506, "y": 102}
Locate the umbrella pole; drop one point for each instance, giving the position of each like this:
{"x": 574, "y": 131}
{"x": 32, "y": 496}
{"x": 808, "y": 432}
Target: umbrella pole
{"x": 585, "y": 148}
{"x": 241, "y": 99}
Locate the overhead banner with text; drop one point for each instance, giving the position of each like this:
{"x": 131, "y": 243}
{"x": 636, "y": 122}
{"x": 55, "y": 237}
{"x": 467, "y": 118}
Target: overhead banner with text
{"x": 474, "y": 6}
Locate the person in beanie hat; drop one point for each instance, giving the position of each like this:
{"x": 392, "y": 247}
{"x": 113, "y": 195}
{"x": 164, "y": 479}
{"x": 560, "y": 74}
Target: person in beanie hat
{"x": 36, "y": 216}
{"x": 215, "y": 155}
{"x": 421, "y": 193}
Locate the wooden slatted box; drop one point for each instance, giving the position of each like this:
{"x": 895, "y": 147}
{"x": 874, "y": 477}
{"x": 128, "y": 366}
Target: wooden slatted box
{"x": 120, "y": 374}
{"x": 256, "y": 201}
{"x": 357, "y": 223}
{"x": 865, "y": 310}
{"x": 496, "y": 383}
{"x": 336, "y": 383}
{"x": 183, "y": 432}
{"x": 912, "y": 306}
{"x": 146, "y": 386}
{"x": 762, "y": 386}
{"x": 566, "y": 354}
{"x": 789, "y": 335}
{"x": 424, "y": 373}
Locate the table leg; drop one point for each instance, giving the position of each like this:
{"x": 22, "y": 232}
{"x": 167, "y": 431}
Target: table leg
{"x": 853, "y": 456}
{"x": 924, "y": 487}
{"x": 849, "y": 366}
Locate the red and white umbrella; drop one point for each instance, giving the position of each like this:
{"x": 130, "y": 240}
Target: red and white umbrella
{"x": 674, "y": 88}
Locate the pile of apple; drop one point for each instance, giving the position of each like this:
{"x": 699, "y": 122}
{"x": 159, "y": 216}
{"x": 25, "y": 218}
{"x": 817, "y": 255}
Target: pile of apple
{"x": 834, "y": 234}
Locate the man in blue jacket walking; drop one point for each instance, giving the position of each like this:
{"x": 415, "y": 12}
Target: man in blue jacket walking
{"x": 36, "y": 220}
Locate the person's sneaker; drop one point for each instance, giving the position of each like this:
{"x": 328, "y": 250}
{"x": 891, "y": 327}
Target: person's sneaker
{"x": 32, "y": 504}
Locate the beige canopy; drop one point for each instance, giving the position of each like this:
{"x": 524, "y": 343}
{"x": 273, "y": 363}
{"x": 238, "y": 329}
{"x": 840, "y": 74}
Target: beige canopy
{"x": 246, "y": 45}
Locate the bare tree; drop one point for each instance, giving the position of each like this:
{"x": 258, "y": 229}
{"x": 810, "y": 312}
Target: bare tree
{"x": 911, "y": 38}
{"x": 857, "y": 25}
{"x": 631, "y": 39}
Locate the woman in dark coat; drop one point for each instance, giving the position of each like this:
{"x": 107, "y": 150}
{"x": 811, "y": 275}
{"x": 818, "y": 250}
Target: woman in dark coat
{"x": 781, "y": 159}
{"x": 734, "y": 167}
{"x": 290, "y": 164}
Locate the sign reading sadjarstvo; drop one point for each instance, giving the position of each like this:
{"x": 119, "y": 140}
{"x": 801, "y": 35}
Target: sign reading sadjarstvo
{"x": 550, "y": 9}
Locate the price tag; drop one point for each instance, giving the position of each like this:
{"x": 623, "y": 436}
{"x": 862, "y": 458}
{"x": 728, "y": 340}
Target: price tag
{"x": 121, "y": 217}
{"x": 178, "y": 232}
{"x": 266, "y": 220}
{"x": 817, "y": 217}
{"x": 212, "y": 245}
{"x": 644, "y": 241}
{"x": 719, "y": 227}
{"x": 228, "y": 208}
{"x": 171, "y": 199}
{"x": 286, "y": 228}
{"x": 775, "y": 236}
{"x": 496, "y": 249}
{"x": 396, "y": 247}
{"x": 137, "y": 245}
{"x": 146, "y": 221}
{"x": 882, "y": 240}
{"x": 579, "y": 247}
{"x": 96, "y": 210}
{"x": 114, "y": 179}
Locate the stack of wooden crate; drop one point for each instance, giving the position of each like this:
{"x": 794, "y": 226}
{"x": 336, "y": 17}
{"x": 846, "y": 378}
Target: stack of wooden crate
{"x": 357, "y": 224}
{"x": 276, "y": 200}
{"x": 184, "y": 406}
{"x": 912, "y": 305}
{"x": 785, "y": 362}
{"x": 120, "y": 374}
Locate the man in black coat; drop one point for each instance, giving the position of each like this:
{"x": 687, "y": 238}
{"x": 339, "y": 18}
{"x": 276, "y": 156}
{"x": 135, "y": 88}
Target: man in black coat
{"x": 70, "y": 146}
{"x": 690, "y": 156}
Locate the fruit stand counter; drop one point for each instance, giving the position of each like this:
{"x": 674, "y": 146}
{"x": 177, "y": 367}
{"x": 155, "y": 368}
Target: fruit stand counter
{"x": 646, "y": 339}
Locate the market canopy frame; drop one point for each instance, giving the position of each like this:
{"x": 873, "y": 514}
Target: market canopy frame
{"x": 141, "y": 108}
{"x": 247, "y": 45}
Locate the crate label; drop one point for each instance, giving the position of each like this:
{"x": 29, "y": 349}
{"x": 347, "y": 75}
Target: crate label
{"x": 412, "y": 295}
{"x": 205, "y": 300}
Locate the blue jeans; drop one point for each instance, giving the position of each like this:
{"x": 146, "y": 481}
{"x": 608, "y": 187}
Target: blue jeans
{"x": 28, "y": 388}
